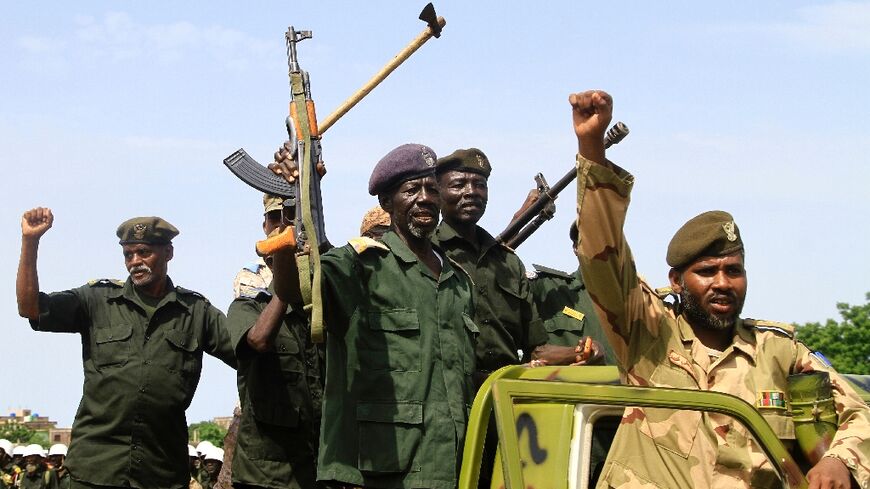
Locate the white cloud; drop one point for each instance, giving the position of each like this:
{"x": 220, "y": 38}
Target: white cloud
{"x": 838, "y": 26}
{"x": 118, "y": 37}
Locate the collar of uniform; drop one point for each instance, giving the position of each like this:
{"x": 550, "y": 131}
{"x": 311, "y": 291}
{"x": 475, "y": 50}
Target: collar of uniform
{"x": 402, "y": 252}
{"x": 485, "y": 241}
{"x": 129, "y": 294}
{"x": 744, "y": 340}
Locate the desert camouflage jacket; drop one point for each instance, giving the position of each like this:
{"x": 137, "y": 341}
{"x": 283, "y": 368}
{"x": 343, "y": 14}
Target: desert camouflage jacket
{"x": 657, "y": 347}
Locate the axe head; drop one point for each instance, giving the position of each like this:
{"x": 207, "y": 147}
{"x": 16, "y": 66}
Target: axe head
{"x": 430, "y": 18}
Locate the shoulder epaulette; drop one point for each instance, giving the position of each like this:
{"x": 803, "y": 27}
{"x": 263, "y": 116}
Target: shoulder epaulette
{"x": 783, "y": 329}
{"x": 183, "y": 291}
{"x": 362, "y": 243}
{"x": 106, "y": 281}
{"x": 663, "y": 292}
{"x": 541, "y": 269}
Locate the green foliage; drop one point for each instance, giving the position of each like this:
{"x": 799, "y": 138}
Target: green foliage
{"x": 206, "y": 430}
{"x": 846, "y": 344}
{"x": 17, "y": 433}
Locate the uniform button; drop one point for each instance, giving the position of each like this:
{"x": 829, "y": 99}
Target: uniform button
{"x": 486, "y": 321}
{"x": 147, "y": 337}
{"x": 489, "y": 353}
{"x": 147, "y": 362}
{"x": 142, "y": 389}
{"x": 135, "y": 447}
{"x": 283, "y": 348}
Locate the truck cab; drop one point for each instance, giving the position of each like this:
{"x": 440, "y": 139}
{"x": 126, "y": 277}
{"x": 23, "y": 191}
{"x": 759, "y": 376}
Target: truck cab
{"x": 555, "y": 425}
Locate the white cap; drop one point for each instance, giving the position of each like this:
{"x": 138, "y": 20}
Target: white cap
{"x": 191, "y": 451}
{"x": 6, "y": 445}
{"x": 19, "y": 450}
{"x": 33, "y": 449}
{"x": 214, "y": 453}
{"x": 204, "y": 446}
{"x": 57, "y": 449}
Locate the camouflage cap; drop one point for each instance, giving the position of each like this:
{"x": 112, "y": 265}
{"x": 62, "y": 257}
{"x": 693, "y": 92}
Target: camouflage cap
{"x": 272, "y": 203}
{"x": 404, "y": 163}
{"x": 712, "y": 233}
{"x": 376, "y": 216}
{"x": 471, "y": 159}
{"x": 147, "y": 230}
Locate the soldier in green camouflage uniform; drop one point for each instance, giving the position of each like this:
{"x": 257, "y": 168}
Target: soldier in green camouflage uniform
{"x": 142, "y": 346}
{"x": 700, "y": 344}
{"x": 566, "y": 308}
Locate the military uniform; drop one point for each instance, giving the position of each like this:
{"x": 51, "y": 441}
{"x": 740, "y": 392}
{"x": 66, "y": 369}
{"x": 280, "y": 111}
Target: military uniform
{"x": 400, "y": 354}
{"x": 41, "y": 479}
{"x": 252, "y": 280}
{"x": 656, "y": 346}
{"x": 140, "y": 376}
{"x": 566, "y": 309}
{"x": 63, "y": 478}
{"x": 280, "y": 393}
{"x": 504, "y": 310}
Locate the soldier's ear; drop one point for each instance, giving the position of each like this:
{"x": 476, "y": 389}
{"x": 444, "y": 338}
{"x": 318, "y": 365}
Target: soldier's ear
{"x": 170, "y": 252}
{"x": 676, "y": 278}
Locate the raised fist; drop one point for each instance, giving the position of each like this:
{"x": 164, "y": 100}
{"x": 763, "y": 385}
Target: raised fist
{"x": 35, "y": 222}
{"x": 592, "y": 112}
{"x": 285, "y": 166}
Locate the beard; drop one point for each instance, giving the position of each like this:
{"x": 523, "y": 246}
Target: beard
{"x": 419, "y": 232}
{"x": 145, "y": 280}
{"x": 695, "y": 313}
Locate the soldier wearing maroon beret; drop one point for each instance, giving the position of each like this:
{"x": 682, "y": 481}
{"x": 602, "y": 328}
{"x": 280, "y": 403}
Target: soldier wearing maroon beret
{"x": 399, "y": 340}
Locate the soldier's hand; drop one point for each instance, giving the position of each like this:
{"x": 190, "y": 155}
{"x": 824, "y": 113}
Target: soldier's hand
{"x": 829, "y": 473}
{"x": 35, "y": 222}
{"x": 285, "y": 166}
{"x": 589, "y": 352}
{"x": 592, "y": 112}
{"x": 533, "y": 197}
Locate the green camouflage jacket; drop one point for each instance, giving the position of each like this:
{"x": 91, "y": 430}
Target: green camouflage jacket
{"x": 656, "y": 347}
{"x": 140, "y": 376}
{"x": 399, "y": 359}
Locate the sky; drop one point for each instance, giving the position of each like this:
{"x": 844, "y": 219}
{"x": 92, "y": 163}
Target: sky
{"x": 114, "y": 109}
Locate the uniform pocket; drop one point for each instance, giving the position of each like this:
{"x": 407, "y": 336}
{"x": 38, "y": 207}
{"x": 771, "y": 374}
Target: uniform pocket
{"x": 389, "y": 435}
{"x": 672, "y": 429}
{"x": 182, "y": 351}
{"x": 390, "y": 340}
{"x": 468, "y": 347}
{"x": 112, "y": 345}
{"x": 782, "y": 425}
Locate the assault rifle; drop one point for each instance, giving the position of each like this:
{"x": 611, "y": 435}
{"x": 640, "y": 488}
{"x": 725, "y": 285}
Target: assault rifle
{"x": 543, "y": 209}
{"x": 307, "y": 234}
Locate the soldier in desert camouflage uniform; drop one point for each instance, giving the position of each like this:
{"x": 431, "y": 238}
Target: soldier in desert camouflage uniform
{"x": 701, "y": 343}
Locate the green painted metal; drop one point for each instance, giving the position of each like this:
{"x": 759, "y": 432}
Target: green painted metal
{"x": 593, "y": 385}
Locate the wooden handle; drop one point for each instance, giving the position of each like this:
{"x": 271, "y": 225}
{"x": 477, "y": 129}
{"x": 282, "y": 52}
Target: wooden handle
{"x": 273, "y": 244}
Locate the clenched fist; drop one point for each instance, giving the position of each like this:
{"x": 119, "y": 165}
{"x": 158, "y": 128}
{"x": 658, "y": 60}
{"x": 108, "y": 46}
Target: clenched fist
{"x": 35, "y": 222}
{"x": 285, "y": 166}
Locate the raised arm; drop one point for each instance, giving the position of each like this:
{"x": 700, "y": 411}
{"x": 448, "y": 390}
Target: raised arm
{"x": 34, "y": 223}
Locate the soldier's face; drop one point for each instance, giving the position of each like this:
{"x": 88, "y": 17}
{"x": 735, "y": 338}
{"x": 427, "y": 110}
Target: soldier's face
{"x": 213, "y": 467}
{"x": 712, "y": 290}
{"x": 414, "y": 207}
{"x": 146, "y": 263}
{"x": 56, "y": 461}
{"x": 463, "y": 196}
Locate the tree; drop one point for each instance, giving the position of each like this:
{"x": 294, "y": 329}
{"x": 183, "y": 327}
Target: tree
{"x": 16, "y": 432}
{"x": 846, "y": 344}
{"x": 206, "y": 430}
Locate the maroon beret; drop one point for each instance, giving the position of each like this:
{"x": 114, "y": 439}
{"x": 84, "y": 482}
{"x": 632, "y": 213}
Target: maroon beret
{"x": 406, "y": 162}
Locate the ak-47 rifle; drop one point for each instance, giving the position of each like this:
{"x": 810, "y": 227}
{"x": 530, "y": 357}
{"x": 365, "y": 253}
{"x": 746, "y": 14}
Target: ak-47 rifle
{"x": 307, "y": 234}
{"x": 543, "y": 209}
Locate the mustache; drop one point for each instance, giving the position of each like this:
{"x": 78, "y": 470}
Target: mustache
{"x": 140, "y": 268}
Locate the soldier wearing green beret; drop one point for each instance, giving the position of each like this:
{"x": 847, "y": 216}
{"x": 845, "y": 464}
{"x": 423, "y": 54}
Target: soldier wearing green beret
{"x": 142, "y": 346}
{"x": 504, "y": 308}
{"x": 701, "y": 343}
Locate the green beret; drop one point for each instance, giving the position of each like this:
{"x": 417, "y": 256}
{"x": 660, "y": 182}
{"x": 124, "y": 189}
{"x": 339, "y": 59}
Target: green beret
{"x": 147, "y": 230}
{"x": 471, "y": 159}
{"x": 712, "y": 233}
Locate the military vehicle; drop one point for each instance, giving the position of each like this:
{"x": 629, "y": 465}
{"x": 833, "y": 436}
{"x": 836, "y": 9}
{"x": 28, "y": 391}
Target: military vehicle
{"x": 555, "y": 424}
